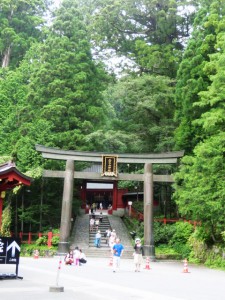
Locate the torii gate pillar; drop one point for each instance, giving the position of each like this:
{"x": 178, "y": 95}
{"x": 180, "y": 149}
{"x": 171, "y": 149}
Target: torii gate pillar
{"x": 149, "y": 248}
{"x": 63, "y": 246}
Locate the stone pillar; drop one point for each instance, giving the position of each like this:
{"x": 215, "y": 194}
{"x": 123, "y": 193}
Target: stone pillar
{"x": 149, "y": 247}
{"x": 66, "y": 208}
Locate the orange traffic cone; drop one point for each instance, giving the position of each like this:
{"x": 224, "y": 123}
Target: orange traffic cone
{"x": 185, "y": 269}
{"x": 147, "y": 266}
{"x": 111, "y": 261}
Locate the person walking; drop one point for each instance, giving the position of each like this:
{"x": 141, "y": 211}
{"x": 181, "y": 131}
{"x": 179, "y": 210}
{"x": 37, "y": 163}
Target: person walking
{"x": 107, "y": 235}
{"x": 98, "y": 239}
{"x": 101, "y": 217}
{"x": 112, "y": 239}
{"x": 138, "y": 253}
{"x": 113, "y": 234}
{"x": 92, "y": 223}
{"x": 118, "y": 249}
{"x": 96, "y": 224}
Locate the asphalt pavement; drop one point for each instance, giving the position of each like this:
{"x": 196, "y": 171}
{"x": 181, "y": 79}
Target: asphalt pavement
{"x": 96, "y": 281}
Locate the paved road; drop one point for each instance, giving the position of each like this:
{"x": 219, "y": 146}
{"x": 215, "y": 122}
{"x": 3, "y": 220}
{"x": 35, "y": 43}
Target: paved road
{"x": 96, "y": 281}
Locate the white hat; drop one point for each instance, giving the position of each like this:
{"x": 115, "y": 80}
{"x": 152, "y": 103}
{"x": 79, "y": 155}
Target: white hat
{"x": 137, "y": 240}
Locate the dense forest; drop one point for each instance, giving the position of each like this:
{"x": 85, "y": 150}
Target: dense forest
{"x": 115, "y": 76}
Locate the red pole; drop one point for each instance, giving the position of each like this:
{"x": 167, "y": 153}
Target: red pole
{"x": 39, "y": 234}
{"x": 164, "y": 221}
{"x": 29, "y": 238}
{"x": 50, "y": 235}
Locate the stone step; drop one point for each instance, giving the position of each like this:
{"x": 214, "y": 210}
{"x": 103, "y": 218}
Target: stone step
{"x": 100, "y": 252}
{"x": 103, "y": 226}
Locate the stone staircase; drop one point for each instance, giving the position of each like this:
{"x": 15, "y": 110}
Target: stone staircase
{"x": 84, "y": 239}
{"x": 103, "y": 226}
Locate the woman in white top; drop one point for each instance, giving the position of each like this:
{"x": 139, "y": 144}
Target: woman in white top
{"x": 92, "y": 223}
{"x": 76, "y": 256}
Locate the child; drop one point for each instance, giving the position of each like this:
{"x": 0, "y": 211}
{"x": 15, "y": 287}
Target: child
{"x": 69, "y": 258}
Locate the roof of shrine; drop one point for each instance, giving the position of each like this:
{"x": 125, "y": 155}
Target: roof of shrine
{"x": 10, "y": 176}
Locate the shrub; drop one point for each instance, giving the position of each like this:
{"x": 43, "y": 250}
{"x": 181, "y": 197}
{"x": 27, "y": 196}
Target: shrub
{"x": 198, "y": 246}
{"x": 44, "y": 251}
{"x": 179, "y": 240}
{"x": 55, "y": 240}
{"x": 163, "y": 233}
{"x": 41, "y": 241}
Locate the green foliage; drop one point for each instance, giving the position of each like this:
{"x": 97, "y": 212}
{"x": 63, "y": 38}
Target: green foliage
{"x": 4, "y": 159}
{"x": 6, "y": 221}
{"x": 44, "y": 251}
{"x": 166, "y": 252}
{"x": 200, "y": 186}
{"x": 55, "y": 241}
{"x": 174, "y": 237}
{"x": 139, "y": 206}
{"x": 148, "y": 32}
{"x": 215, "y": 262}
{"x": 182, "y": 233}
{"x": 193, "y": 76}
{"x": 197, "y": 241}
{"x": 41, "y": 240}
{"x": 163, "y": 233}
{"x": 179, "y": 240}
{"x": 133, "y": 225}
{"x": 20, "y": 23}
{"x": 140, "y": 122}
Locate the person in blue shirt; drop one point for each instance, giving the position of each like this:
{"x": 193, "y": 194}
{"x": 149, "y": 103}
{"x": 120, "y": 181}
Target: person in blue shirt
{"x": 118, "y": 249}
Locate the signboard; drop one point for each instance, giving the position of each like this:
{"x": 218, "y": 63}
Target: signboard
{"x": 109, "y": 165}
{"x": 9, "y": 250}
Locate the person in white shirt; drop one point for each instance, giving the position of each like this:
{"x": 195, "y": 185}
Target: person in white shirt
{"x": 92, "y": 223}
{"x": 76, "y": 256}
{"x": 83, "y": 258}
{"x": 98, "y": 239}
{"x": 96, "y": 224}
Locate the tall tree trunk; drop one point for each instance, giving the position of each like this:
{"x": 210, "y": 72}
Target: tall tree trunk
{"x": 6, "y": 57}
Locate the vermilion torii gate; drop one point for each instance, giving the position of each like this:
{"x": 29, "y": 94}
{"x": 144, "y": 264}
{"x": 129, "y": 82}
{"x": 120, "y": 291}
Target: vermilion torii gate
{"x": 69, "y": 174}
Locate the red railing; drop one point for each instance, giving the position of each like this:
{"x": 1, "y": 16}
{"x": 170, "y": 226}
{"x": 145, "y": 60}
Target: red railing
{"x": 138, "y": 215}
{"x": 30, "y": 238}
